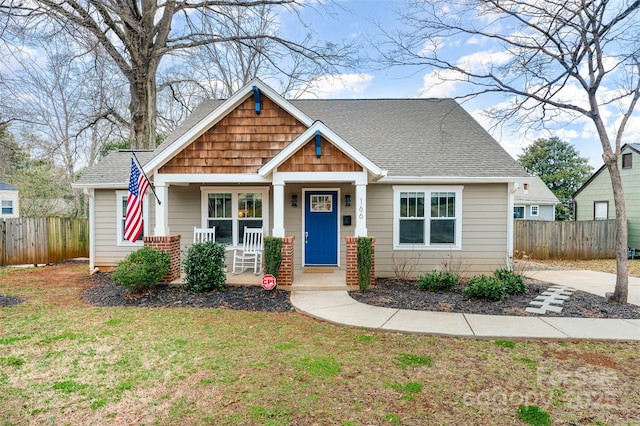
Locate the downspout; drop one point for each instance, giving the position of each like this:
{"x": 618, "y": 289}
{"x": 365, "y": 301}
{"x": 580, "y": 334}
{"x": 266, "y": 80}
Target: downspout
{"x": 511, "y": 190}
{"x": 92, "y": 229}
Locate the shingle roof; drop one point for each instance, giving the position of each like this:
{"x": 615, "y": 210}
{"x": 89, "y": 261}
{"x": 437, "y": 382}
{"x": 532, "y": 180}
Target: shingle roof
{"x": 114, "y": 169}
{"x": 537, "y": 193}
{"x": 6, "y": 187}
{"x": 415, "y": 137}
{"x": 406, "y": 137}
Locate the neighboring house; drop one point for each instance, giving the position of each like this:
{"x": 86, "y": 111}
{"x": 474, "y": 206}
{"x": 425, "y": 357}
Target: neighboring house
{"x": 419, "y": 175}
{"x": 594, "y": 199}
{"x": 9, "y": 201}
{"x": 533, "y": 200}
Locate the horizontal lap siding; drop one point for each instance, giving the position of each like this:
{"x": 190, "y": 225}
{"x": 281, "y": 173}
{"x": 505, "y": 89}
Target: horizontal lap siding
{"x": 484, "y": 231}
{"x": 107, "y": 251}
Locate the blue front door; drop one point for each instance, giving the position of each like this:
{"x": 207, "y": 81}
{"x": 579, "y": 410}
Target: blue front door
{"x": 321, "y": 228}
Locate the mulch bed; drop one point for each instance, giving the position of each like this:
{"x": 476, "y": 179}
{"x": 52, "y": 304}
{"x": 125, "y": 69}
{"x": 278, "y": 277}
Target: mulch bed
{"x": 9, "y": 301}
{"x": 387, "y": 292}
{"x": 105, "y": 292}
{"x": 392, "y": 293}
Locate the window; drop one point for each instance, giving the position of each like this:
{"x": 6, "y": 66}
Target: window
{"x": 533, "y": 210}
{"x": 518, "y": 212}
{"x": 600, "y": 210}
{"x": 121, "y": 207}
{"x": 229, "y": 211}
{"x": 7, "y": 207}
{"x": 427, "y": 217}
{"x": 627, "y": 161}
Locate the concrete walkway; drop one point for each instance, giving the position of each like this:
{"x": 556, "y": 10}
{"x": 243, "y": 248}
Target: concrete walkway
{"x": 335, "y": 306}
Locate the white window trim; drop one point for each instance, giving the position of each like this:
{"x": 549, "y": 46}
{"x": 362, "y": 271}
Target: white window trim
{"x": 537, "y": 208}
{"x": 234, "y": 191}
{"x": 121, "y": 242}
{"x": 2, "y": 207}
{"x": 427, "y": 189}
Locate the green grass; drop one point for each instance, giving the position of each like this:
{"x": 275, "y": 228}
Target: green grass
{"x": 533, "y": 415}
{"x": 69, "y": 363}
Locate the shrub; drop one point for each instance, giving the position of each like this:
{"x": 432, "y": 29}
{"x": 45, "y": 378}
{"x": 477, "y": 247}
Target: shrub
{"x": 272, "y": 255}
{"x": 438, "y": 281}
{"x": 365, "y": 256}
{"x": 514, "y": 283}
{"x": 204, "y": 267}
{"x": 142, "y": 269}
{"x": 483, "y": 287}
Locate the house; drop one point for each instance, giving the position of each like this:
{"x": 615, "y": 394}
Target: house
{"x": 594, "y": 199}
{"x": 9, "y": 201}
{"x": 533, "y": 200}
{"x": 419, "y": 175}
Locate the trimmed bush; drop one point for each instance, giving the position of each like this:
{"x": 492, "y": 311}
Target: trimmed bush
{"x": 487, "y": 288}
{"x": 364, "y": 258}
{"x": 142, "y": 269}
{"x": 438, "y": 281}
{"x": 204, "y": 267}
{"x": 514, "y": 283}
{"x": 272, "y": 255}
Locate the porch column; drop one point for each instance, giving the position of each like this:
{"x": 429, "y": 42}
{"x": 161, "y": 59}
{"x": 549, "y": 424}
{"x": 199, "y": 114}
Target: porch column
{"x": 162, "y": 210}
{"x": 278, "y": 210}
{"x": 361, "y": 210}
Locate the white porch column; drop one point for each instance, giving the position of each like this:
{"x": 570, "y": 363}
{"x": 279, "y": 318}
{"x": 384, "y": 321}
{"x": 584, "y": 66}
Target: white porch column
{"x": 162, "y": 210}
{"x": 361, "y": 210}
{"x": 278, "y": 210}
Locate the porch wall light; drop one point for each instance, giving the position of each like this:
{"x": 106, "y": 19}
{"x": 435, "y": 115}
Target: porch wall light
{"x": 347, "y": 200}
{"x": 294, "y": 200}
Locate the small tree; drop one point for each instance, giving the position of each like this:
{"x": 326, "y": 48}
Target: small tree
{"x": 560, "y": 167}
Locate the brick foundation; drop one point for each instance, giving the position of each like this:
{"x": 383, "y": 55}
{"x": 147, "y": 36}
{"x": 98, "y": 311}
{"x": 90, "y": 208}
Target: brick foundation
{"x": 352, "y": 260}
{"x": 171, "y": 245}
{"x": 285, "y": 273}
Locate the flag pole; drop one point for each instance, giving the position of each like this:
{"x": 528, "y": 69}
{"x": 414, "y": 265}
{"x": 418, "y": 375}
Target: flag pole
{"x": 143, "y": 174}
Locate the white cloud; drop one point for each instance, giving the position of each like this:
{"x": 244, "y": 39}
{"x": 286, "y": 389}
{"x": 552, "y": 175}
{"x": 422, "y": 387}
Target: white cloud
{"x": 440, "y": 84}
{"x": 337, "y": 86}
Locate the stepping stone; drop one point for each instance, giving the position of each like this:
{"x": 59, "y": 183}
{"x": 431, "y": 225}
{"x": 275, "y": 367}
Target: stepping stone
{"x": 554, "y": 295}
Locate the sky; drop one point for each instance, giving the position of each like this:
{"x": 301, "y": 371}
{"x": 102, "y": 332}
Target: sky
{"x": 355, "y": 20}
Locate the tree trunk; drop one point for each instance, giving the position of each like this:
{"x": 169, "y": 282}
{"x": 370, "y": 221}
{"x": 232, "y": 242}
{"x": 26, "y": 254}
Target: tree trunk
{"x": 143, "y": 107}
{"x": 621, "y": 291}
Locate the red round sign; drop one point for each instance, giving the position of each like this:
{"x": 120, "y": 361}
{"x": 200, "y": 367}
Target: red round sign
{"x": 268, "y": 282}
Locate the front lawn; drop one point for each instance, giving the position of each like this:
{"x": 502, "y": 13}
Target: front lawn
{"x": 64, "y": 362}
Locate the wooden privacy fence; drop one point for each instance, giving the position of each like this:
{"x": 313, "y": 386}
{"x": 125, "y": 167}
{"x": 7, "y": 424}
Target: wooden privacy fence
{"x": 588, "y": 239}
{"x": 43, "y": 240}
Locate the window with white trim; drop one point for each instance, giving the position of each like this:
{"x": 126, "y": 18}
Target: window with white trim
{"x": 533, "y": 210}
{"x": 427, "y": 217}
{"x": 121, "y": 208}
{"x": 7, "y": 207}
{"x": 230, "y": 211}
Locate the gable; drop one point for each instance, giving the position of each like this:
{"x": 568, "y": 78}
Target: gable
{"x": 331, "y": 159}
{"x": 241, "y": 142}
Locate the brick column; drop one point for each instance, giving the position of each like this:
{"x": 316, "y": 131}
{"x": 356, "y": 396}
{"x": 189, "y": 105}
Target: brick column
{"x": 171, "y": 245}
{"x": 285, "y": 273}
{"x": 352, "y": 260}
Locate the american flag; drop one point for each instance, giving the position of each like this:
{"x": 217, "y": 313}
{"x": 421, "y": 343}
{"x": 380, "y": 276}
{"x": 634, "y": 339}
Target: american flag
{"x": 133, "y": 222}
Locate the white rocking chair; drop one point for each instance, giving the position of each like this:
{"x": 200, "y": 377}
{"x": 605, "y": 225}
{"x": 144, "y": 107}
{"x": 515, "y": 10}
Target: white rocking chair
{"x": 251, "y": 253}
{"x": 202, "y": 235}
